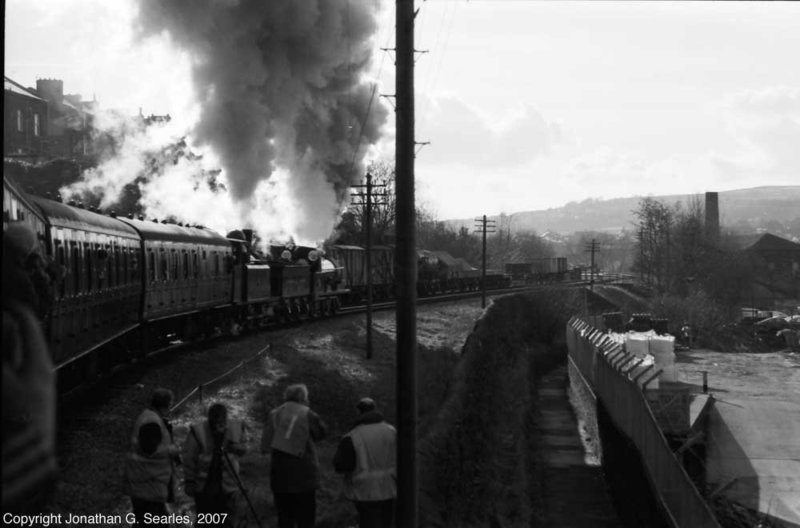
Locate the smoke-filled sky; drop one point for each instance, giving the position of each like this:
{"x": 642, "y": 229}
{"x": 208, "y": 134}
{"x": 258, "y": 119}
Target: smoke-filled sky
{"x": 526, "y": 105}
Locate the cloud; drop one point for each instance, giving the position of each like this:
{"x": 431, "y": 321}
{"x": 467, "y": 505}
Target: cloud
{"x": 765, "y": 124}
{"x": 459, "y": 135}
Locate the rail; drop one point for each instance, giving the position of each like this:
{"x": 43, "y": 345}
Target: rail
{"x": 604, "y": 367}
{"x": 202, "y": 386}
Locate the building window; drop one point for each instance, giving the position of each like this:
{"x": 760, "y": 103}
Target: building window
{"x": 20, "y": 123}
{"x": 36, "y": 131}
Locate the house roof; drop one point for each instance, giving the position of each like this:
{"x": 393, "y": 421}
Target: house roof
{"x": 770, "y": 242}
{"x": 13, "y": 86}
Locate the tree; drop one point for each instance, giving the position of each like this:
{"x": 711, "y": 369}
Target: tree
{"x": 352, "y": 229}
{"x": 655, "y": 220}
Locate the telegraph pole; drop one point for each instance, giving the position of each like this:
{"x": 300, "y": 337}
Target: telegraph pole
{"x": 592, "y": 247}
{"x": 406, "y": 270}
{"x": 484, "y": 226}
{"x": 368, "y": 203}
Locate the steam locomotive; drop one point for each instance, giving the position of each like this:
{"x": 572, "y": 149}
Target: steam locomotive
{"x": 131, "y": 286}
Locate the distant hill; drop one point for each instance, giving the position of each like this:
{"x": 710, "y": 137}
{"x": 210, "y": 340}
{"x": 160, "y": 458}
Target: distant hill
{"x": 772, "y": 208}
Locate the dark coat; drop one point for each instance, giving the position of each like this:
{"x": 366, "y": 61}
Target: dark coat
{"x": 292, "y": 474}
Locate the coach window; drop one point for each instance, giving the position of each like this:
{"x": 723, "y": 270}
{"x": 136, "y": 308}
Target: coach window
{"x": 195, "y": 265}
{"x": 185, "y": 265}
{"x": 123, "y": 265}
{"x": 164, "y": 265}
{"x": 134, "y": 262}
{"x": 216, "y": 263}
{"x": 151, "y": 264}
{"x": 175, "y": 273}
{"x": 62, "y": 265}
{"x": 89, "y": 268}
{"x": 110, "y": 265}
{"x": 76, "y": 268}
{"x": 117, "y": 264}
{"x": 36, "y": 130}
{"x": 20, "y": 127}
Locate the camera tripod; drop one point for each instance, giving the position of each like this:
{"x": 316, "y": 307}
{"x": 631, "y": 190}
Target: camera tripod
{"x": 240, "y": 484}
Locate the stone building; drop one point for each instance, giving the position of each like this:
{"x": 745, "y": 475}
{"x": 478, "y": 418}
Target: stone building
{"x": 25, "y": 121}
{"x": 45, "y": 123}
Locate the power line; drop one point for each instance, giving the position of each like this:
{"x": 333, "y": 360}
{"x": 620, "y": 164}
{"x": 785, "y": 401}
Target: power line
{"x": 368, "y": 202}
{"x": 484, "y": 226}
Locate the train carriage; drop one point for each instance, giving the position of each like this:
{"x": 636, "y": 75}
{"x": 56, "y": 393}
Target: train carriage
{"x": 538, "y": 270}
{"x": 351, "y": 258}
{"x": 99, "y": 296}
{"x": 185, "y": 270}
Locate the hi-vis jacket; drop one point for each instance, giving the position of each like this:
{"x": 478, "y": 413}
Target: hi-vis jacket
{"x": 199, "y": 450}
{"x": 373, "y": 478}
{"x": 148, "y": 477}
{"x": 291, "y": 428}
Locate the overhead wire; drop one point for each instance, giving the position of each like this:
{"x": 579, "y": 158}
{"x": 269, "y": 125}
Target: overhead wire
{"x": 440, "y": 52}
{"x": 374, "y": 90}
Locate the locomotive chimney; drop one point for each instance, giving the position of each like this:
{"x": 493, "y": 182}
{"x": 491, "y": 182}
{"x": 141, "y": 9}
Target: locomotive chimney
{"x": 248, "y": 235}
{"x": 712, "y": 217}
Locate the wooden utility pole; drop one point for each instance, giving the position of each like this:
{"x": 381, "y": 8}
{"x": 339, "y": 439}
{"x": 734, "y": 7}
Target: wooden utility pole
{"x": 484, "y": 226}
{"x": 406, "y": 270}
{"x": 368, "y": 203}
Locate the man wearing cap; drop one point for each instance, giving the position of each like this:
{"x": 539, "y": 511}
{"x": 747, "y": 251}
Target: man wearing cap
{"x": 366, "y": 457}
{"x": 289, "y": 435}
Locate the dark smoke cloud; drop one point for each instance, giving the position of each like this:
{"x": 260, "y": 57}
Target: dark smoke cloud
{"x": 281, "y": 83}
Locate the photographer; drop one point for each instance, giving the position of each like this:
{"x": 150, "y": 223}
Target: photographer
{"x": 150, "y": 466}
{"x": 211, "y": 466}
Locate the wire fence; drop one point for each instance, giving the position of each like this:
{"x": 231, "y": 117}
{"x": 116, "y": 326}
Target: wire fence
{"x": 203, "y": 388}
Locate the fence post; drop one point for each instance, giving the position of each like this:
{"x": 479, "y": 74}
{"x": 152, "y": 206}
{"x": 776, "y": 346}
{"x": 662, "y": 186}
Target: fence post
{"x": 651, "y": 378}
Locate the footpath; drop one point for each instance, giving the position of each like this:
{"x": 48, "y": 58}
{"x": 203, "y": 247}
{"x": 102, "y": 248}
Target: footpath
{"x": 576, "y": 495}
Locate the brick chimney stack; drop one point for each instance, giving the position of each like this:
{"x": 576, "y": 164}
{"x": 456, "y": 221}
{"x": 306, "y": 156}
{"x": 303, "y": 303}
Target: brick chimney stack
{"x": 52, "y": 90}
{"x": 712, "y": 217}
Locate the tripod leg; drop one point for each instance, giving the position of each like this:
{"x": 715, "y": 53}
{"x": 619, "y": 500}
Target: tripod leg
{"x": 241, "y": 488}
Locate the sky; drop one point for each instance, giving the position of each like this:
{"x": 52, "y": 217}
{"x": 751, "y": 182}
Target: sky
{"x": 526, "y": 105}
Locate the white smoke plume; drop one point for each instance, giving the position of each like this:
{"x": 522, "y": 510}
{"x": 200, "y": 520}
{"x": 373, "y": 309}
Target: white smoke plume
{"x": 282, "y": 94}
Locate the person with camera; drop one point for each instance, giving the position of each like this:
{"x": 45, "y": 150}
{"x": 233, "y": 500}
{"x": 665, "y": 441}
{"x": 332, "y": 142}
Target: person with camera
{"x": 150, "y": 467}
{"x": 211, "y": 467}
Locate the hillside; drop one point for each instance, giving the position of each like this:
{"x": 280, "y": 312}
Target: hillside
{"x": 771, "y": 207}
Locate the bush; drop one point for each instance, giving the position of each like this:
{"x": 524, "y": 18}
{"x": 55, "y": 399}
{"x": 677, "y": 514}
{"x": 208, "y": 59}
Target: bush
{"x": 475, "y": 460}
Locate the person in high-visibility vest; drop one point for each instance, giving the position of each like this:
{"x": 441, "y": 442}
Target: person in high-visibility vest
{"x": 366, "y": 457}
{"x": 289, "y": 435}
{"x": 150, "y": 477}
{"x": 211, "y": 467}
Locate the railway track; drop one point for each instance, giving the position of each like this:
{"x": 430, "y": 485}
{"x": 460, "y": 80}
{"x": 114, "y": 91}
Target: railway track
{"x": 75, "y": 394}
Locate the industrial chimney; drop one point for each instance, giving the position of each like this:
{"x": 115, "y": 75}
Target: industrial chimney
{"x": 712, "y": 217}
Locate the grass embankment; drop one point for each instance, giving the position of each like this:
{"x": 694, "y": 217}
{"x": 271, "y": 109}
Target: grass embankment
{"x": 479, "y": 460}
{"x": 476, "y": 440}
